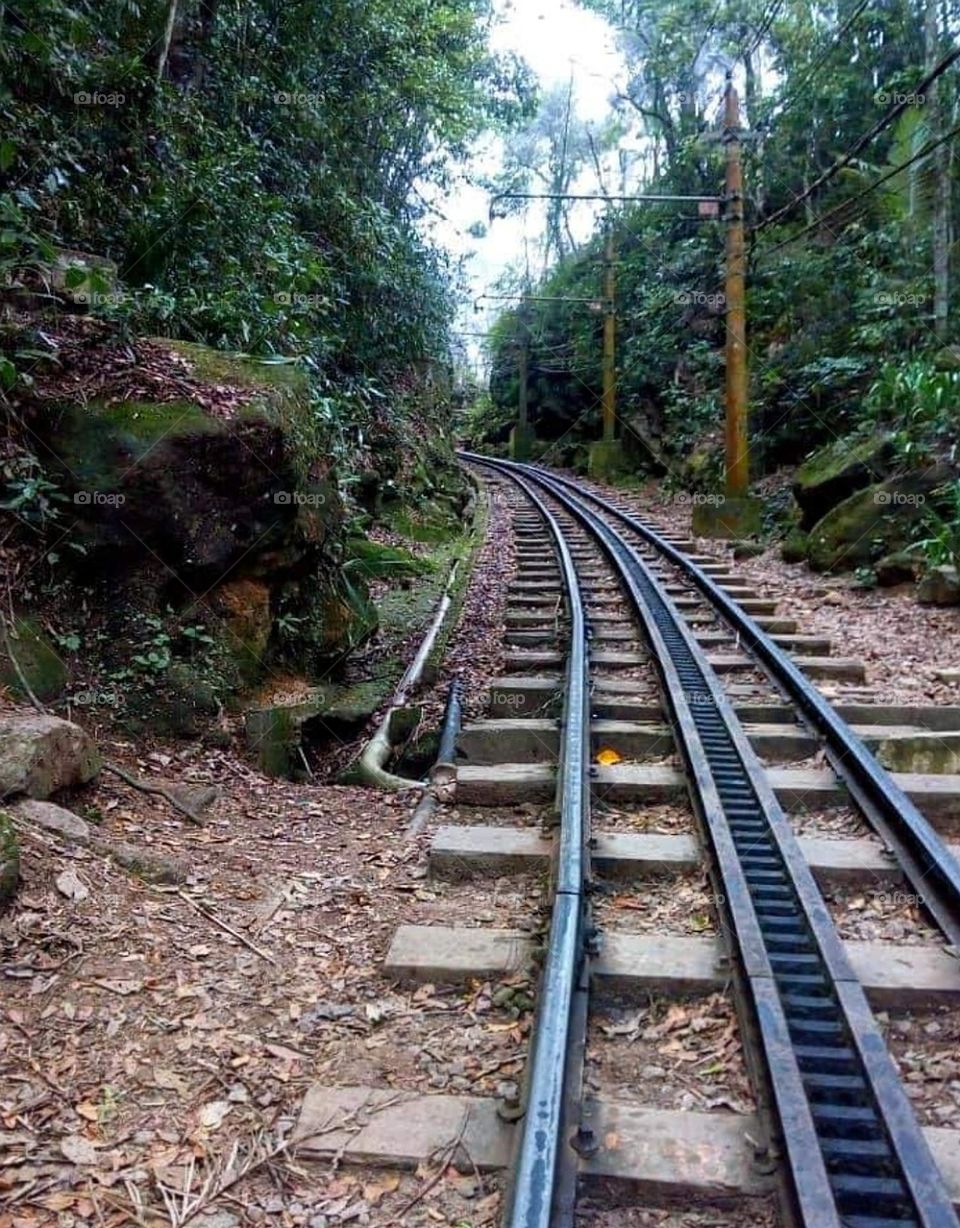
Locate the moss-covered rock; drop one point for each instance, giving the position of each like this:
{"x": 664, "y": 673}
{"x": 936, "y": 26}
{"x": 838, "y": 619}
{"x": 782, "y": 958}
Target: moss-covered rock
{"x": 210, "y": 540}
{"x": 274, "y": 731}
{"x": 375, "y": 561}
{"x": 9, "y": 859}
{"x": 246, "y": 621}
{"x": 835, "y": 472}
{"x": 794, "y": 547}
{"x": 41, "y": 665}
{"x": 879, "y": 520}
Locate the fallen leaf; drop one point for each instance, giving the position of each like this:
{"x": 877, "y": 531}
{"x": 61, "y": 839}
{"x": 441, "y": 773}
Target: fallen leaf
{"x": 608, "y": 757}
{"x": 285, "y": 1054}
{"x": 121, "y": 987}
{"x": 78, "y": 1150}
{"x": 170, "y": 1081}
{"x": 87, "y": 1109}
{"x": 213, "y": 1113}
{"x": 58, "y": 1201}
{"x": 376, "y": 1189}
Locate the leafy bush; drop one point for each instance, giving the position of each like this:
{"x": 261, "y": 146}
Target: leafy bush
{"x": 918, "y": 402}
{"x": 941, "y": 547}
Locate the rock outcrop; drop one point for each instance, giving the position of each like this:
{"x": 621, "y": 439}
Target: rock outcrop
{"x": 208, "y": 536}
{"x": 880, "y": 520}
{"x": 836, "y": 472}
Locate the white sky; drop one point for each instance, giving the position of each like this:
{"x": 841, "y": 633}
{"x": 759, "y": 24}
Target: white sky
{"x": 555, "y": 37}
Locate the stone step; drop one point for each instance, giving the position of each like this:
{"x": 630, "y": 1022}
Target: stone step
{"x": 538, "y": 575}
{"x": 531, "y": 639}
{"x": 659, "y": 1155}
{"x": 366, "y": 1125}
{"x": 893, "y": 975}
{"x": 521, "y": 587}
{"x": 613, "y": 699}
{"x": 475, "y": 850}
{"x": 737, "y": 591}
{"x": 532, "y": 618}
{"x": 776, "y": 626}
{"x": 619, "y": 615}
{"x": 722, "y": 663}
{"x": 537, "y": 740}
{"x": 554, "y": 660}
{"x": 798, "y": 789}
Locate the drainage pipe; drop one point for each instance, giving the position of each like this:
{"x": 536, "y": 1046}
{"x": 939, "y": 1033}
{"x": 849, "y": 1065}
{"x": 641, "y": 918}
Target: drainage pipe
{"x": 444, "y": 771}
{"x": 376, "y": 753}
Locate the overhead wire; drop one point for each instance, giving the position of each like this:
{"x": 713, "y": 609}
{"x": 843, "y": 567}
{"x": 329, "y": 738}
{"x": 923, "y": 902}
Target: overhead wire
{"x": 811, "y": 72}
{"x": 872, "y": 187}
{"x": 893, "y": 113}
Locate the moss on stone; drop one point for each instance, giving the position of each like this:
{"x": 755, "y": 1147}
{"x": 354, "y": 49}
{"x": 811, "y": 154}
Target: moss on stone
{"x": 794, "y": 548}
{"x": 837, "y": 458}
{"x": 871, "y": 523}
{"x": 9, "y": 859}
{"x": 837, "y": 471}
{"x": 40, "y": 663}
{"x": 375, "y": 561}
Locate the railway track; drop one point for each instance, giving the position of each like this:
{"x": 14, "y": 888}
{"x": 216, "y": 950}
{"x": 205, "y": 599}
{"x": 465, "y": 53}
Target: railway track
{"x": 649, "y": 692}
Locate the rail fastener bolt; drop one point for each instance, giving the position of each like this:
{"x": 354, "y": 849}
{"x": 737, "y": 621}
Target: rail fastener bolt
{"x": 585, "y": 1141}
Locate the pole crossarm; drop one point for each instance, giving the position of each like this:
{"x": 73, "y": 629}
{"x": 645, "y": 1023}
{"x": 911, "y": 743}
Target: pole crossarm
{"x": 539, "y": 298}
{"x": 641, "y": 198}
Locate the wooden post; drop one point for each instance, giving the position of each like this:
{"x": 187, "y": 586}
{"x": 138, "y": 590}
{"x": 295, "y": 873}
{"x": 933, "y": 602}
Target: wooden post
{"x": 737, "y": 445}
{"x": 609, "y": 337}
{"x": 523, "y": 367}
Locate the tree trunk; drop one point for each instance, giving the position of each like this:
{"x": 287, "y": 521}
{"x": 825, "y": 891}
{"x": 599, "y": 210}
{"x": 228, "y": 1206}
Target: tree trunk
{"x": 166, "y": 41}
{"x": 941, "y": 183}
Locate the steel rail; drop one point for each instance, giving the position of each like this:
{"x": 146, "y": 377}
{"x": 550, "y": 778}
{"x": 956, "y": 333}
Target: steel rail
{"x": 857, "y": 1156}
{"x": 930, "y": 868}
{"x": 542, "y": 1192}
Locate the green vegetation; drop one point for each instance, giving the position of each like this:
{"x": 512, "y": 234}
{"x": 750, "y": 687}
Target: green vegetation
{"x": 250, "y": 169}
{"x": 851, "y": 305}
{"x": 245, "y": 186}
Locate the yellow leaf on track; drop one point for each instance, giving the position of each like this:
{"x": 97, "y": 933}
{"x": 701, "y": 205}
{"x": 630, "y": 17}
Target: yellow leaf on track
{"x": 608, "y": 757}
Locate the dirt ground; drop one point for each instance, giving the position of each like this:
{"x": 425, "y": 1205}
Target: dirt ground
{"x": 158, "y": 1039}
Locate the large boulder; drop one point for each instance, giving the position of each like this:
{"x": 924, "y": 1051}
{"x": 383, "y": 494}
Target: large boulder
{"x": 209, "y": 530}
{"x": 837, "y": 471}
{"x": 41, "y": 754}
{"x": 877, "y": 521}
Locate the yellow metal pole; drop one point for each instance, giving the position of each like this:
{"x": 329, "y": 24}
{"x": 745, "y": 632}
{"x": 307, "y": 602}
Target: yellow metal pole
{"x": 737, "y": 445}
{"x": 523, "y": 358}
{"x": 609, "y": 338}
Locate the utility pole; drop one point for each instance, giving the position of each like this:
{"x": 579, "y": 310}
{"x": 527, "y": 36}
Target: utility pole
{"x": 523, "y": 364}
{"x": 737, "y": 446}
{"x": 605, "y": 458}
{"x": 521, "y": 435}
{"x": 942, "y": 205}
{"x": 609, "y": 336}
